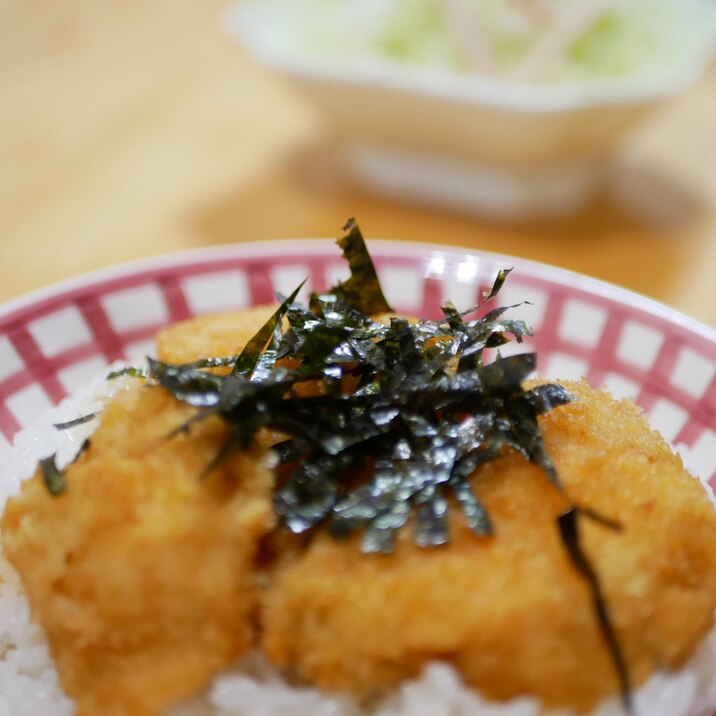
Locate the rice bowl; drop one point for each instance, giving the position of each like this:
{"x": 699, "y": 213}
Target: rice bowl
{"x": 264, "y": 684}
{"x": 29, "y": 684}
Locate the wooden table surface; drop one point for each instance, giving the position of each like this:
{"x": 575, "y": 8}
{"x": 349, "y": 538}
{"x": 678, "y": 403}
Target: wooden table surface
{"x": 130, "y": 129}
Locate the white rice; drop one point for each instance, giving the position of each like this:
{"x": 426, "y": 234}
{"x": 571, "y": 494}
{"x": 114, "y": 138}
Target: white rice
{"x": 29, "y": 683}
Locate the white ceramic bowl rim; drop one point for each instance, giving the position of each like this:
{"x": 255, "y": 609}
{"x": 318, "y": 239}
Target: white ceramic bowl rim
{"x": 34, "y": 301}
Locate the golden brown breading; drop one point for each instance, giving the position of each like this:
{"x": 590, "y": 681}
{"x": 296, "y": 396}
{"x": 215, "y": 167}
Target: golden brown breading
{"x": 509, "y": 611}
{"x": 215, "y": 335}
{"x": 141, "y": 573}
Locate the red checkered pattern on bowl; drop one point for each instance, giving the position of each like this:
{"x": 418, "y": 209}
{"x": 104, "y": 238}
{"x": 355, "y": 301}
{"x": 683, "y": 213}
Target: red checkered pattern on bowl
{"x": 52, "y": 341}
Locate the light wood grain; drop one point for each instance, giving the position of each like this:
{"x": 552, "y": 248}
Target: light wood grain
{"x": 130, "y": 129}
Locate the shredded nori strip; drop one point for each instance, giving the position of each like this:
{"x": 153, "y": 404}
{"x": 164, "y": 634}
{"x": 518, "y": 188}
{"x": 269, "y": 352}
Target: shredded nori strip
{"x": 52, "y": 476}
{"x": 55, "y": 479}
{"x": 130, "y": 370}
{"x": 362, "y": 290}
{"x": 569, "y": 532}
{"x": 74, "y": 423}
{"x": 413, "y": 408}
{"x": 249, "y": 358}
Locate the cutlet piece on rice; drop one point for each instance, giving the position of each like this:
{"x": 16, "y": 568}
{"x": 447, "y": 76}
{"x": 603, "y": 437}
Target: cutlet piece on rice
{"x": 510, "y": 612}
{"x": 214, "y": 335}
{"x": 141, "y": 573}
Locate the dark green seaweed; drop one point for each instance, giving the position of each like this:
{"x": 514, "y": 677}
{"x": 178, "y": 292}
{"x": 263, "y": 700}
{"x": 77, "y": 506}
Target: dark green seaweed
{"x": 131, "y": 371}
{"x": 74, "y": 423}
{"x": 424, "y": 410}
{"x": 362, "y": 290}
{"x": 250, "y": 356}
{"x": 52, "y": 476}
{"x": 569, "y": 532}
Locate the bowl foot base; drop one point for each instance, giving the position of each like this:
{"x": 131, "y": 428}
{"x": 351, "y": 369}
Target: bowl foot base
{"x": 497, "y": 192}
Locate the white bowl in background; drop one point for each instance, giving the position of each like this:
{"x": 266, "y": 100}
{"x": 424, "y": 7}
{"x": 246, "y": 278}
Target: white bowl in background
{"x": 466, "y": 141}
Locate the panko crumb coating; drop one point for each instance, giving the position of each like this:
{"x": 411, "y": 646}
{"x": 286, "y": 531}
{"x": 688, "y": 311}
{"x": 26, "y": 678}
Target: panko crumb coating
{"x": 510, "y": 612}
{"x": 215, "y": 335}
{"x": 141, "y": 573}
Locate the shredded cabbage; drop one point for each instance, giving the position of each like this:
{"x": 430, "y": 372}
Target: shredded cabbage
{"x": 535, "y": 40}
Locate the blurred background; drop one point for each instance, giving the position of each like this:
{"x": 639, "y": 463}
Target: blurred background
{"x": 130, "y": 129}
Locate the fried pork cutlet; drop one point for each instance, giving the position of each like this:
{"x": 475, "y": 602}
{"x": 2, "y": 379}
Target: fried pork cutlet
{"x": 146, "y": 578}
{"x": 141, "y": 573}
{"x": 215, "y": 335}
{"x": 510, "y": 612}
